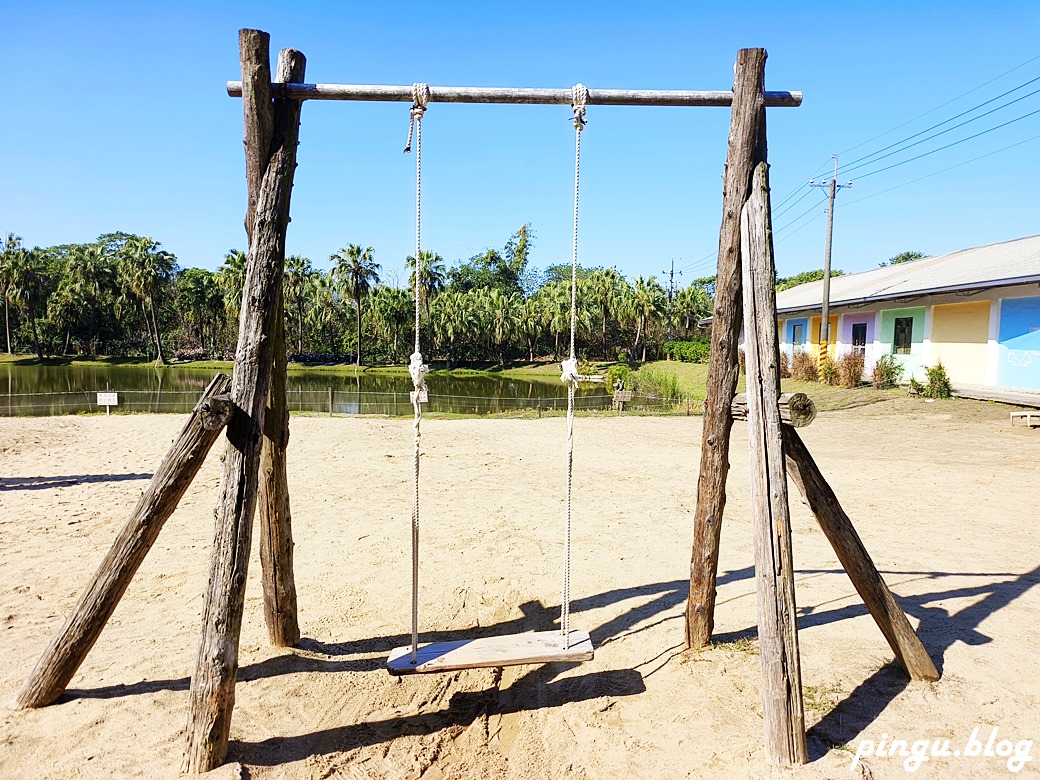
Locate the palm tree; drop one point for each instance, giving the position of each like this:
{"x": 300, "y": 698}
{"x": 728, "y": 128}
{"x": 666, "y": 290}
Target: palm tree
{"x": 502, "y": 309}
{"x": 7, "y": 263}
{"x": 325, "y": 309}
{"x": 295, "y": 284}
{"x": 604, "y": 286}
{"x": 648, "y": 301}
{"x": 531, "y": 317}
{"x": 434, "y": 276}
{"x": 147, "y": 271}
{"x": 393, "y": 311}
{"x": 90, "y": 274}
{"x": 454, "y": 320}
{"x": 356, "y": 271}
{"x": 693, "y": 304}
{"x": 27, "y": 290}
{"x": 232, "y": 278}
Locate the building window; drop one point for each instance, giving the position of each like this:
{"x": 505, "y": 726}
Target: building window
{"x": 798, "y": 334}
{"x": 859, "y": 337}
{"x": 904, "y": 335}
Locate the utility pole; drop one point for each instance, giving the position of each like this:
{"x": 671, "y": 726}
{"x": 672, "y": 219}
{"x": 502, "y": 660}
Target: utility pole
{"x": 833, "y": 188}
{"x": 671, "y": 293}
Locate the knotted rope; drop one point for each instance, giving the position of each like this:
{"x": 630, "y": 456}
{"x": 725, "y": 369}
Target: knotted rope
{"x": 416, "y": 367}
{"x": 579, "y": 96}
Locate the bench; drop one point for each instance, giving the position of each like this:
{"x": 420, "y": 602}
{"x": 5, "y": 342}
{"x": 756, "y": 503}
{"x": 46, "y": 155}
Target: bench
{"x": 1032, "y": 418}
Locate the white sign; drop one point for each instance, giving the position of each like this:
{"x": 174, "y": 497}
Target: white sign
{"x": 108, "y": 399}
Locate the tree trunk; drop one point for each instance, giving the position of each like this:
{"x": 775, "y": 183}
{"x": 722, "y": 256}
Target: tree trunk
{"x": 276, "y": 542}
{"x": 69, "y": 648}
{"x": 7, "y": 321}
{"x": 746, "y": 146}
{"x": 36, "y": 335}
{"x": 782, "y": 711}
{"x": 155, "y": 327}
{"x": 212, "y": 695}
{"x": 357, "y": 300}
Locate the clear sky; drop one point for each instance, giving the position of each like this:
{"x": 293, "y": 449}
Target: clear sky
{"x": 115, "y": 117}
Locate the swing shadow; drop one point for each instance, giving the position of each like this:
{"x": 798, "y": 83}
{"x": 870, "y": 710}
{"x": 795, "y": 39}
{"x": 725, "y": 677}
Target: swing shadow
{"x": 534, "y": 691}
{"x": 939, "y": 629}
{"x": 369, "y": 654}
{"x": 47, "y": 483}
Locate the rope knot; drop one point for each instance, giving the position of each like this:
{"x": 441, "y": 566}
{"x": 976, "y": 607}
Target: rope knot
{"x": 418, "y": 370}
{"x": 569, "y": 368}
{"x": 420, "y": 99}
{"x": 579, "y": 97}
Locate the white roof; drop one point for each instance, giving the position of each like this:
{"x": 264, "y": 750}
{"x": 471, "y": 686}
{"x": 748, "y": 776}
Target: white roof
{"x": 995, "y": 265}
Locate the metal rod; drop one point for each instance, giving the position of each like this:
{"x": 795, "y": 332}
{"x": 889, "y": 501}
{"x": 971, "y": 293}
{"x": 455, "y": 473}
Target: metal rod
{"x": 608, "y": 97}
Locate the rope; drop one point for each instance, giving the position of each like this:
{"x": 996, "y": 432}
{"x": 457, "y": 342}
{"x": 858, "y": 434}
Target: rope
{"x": 579, "y": 96}
{"x": 420, "y": 99}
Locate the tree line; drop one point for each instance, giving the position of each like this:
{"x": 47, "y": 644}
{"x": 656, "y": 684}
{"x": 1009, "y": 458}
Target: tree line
{"x": 124, "y": 295}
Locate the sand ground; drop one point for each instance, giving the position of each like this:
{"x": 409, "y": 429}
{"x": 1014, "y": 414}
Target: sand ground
{"x": 945, "y": 496}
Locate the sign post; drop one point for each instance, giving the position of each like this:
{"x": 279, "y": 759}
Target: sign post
{"x": 108, "y": 400}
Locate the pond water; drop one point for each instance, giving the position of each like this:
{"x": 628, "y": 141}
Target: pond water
{"x": 52, "y": 390}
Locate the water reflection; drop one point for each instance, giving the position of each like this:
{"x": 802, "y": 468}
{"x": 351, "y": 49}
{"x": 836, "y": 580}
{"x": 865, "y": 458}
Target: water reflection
{"x": 52, "y": 390}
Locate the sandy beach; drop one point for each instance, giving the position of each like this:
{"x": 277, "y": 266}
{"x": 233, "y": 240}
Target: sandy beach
{"x": 943, "y": 494}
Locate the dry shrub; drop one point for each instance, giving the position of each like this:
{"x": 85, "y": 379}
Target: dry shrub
{"x": 804, "y": 367}
{"x": 785, "y": 366}
{"x": 850, "y": 370}
{"x": 741, "y": 361}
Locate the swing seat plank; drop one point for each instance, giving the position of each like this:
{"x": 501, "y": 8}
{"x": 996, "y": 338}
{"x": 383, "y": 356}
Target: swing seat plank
{"x": 493, "y": 651}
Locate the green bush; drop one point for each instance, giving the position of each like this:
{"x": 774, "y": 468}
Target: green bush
{"x": 916, "y": 388}
{"x": 938, "y": 385}
{"x": 887, "y": 372}
{"x": 829, "y": 373}
{"x": 804, "y": 367}
{"x": 619, "y": 372}
{"x": 687, "y": 351}
{"x": 850, "y": 369}
{"x": 654, "y": 383}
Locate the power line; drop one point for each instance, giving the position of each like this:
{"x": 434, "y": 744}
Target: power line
{"x": 943, "y": 105}
{"x": 955, "y": 143}
{"x": 944, "y": 170}
{"x": 943, "y": 132}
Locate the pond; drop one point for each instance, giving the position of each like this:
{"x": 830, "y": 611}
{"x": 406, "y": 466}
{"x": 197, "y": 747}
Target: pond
{"x": 55, "y": 390}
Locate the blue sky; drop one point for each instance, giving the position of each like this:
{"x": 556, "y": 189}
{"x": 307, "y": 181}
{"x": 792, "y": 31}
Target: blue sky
{"x": 116, "y": 118}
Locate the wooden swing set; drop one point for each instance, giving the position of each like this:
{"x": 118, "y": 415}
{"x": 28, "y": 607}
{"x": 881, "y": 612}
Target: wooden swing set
{"x": 252, "y": 407}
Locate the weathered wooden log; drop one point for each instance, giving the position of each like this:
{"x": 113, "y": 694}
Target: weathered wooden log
{"x": 796, "y": 409}
{"x": 783, "y": 712}
{"x": 275, "y": 517}
{"x": 67, "y": 650}
{"x": 212, "y": 695}
{"x": 837, "y": 527}
{"x": 536, "y": 96}
{"x": 746, "y": 147}
{"x": 259, "y": 115}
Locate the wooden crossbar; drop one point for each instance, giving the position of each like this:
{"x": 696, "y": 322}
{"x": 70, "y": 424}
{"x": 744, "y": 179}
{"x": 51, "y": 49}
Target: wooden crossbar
{"x": 605, "y": 97}
{"x": 493, "y": 651}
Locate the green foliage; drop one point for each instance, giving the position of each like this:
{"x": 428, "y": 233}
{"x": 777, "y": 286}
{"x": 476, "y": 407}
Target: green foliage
{"x": 829, "y": 373}
{"x": 916, "y": 388}
{"x": 804, "y": 367}
{"x": 653, "y": 382}
{"x": 903, "y": 257}
{"x": 688, "y": 351}
{"x": 786, "y": 282}
{"x": 938, "y": 385}
{"x": 887, "y": 372}
{"x": 618, "y": 373}
{"x": 850, "y": 369}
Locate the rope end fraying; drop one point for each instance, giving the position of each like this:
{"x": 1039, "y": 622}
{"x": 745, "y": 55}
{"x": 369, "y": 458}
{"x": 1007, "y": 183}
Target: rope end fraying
{"x": 420, "y": 99}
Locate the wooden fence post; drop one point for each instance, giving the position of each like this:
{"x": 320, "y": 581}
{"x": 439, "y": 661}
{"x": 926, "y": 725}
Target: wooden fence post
{"x": 276, "y": 542}
{"x": 186, "y": 455}
{"x": 855, "y": 559}
{"x": 774, "y": 568}
{"x": 746, "y": 147}
{"x": 212, "y": 695}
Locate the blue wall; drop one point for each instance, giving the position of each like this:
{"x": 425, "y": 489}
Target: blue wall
{"x": 1019, "y": 343}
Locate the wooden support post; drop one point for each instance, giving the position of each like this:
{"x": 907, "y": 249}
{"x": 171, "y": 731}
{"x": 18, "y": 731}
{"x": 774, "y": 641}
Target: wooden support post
{"x": 67, "y": 650}
{"x": 746, "y": 147}
{"x": 796, "y": 409}
{"x": 276, "y": 542}
{"x": 212, "y": 695}
{"x": 774, "y": 568}
{"x": 837, "y": 527}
